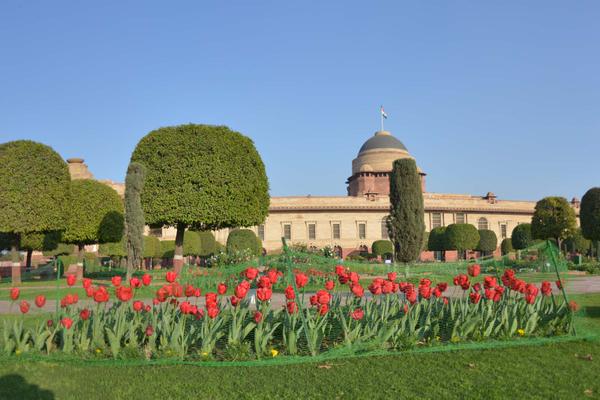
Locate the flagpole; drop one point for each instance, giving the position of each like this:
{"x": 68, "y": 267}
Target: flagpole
{"x": 381, "y": 116}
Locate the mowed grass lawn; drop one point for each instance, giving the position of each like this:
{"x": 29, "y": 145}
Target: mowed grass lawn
{"x": 569, "y": 370}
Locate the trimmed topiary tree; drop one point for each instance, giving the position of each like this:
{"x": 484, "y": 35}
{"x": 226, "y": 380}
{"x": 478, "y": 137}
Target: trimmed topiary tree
{"x": 553, "y": 218}
{"x": 208, "y": 243}
{"x": 488, "y": 241}
{"x": 167, "y": 248}
{"x": 461, "y": 237}
{"x": 506, "y": 246}
{"x": 201, "y": 176}
{"x": 382, "y": 248}
{"x": 406, "y": 220}
{"x": 521, "y": 237}
{"x": 95, "y": 215}
{"x": 114, "y": 250}
{"x": 589, "y": 216}
{"x": 134, "y": 216}
{"x": 191, "y": 244}
{"x": 34, "y": 183}
{"x": 577, "y": 242}
{"x": 437, "y": 240}
{"x": 243, "y": 239}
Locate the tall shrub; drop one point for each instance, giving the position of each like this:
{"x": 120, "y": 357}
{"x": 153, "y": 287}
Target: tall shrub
{"x": 382, "y": 248}
{"x": 134, "y": 216}
{"x": 589, "y": 215}
{"x": 437, "y": 240}
{"x": 521, "y": 237}
{"x": 95, "y": 215}
{"x": 506, "y": 246}
{"x": 34, "y": 192}
{"x": 243, "y": 239}
{"x": 406, "y": 220}
{"x": 488, "y": 241}
{"x": 461, "y": 237}
{"x": 201, "y": 176}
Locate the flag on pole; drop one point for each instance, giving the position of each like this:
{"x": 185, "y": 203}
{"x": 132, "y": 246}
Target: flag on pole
{"x": 383, "y": 114}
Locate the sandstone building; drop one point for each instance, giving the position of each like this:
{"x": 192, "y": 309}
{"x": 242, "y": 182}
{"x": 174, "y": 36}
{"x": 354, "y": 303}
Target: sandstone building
{"x": 352, "y": 223}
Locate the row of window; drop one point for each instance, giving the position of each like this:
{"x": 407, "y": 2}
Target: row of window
{"x": 311, "y": 230}
{"x": 461, "y": 218}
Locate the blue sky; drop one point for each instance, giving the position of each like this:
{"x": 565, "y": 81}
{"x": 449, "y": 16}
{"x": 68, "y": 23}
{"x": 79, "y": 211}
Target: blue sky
{"x": 488, "y": 96}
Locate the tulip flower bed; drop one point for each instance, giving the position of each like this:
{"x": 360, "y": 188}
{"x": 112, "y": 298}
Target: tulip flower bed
{"x": 185, "y": 322}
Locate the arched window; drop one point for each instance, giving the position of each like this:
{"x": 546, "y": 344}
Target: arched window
{"x": 482, "y": 223}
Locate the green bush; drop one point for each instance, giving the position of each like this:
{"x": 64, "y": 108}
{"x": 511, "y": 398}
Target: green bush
{"x": 437, "y": 239}
{"x": 461, "y": 237}
{"x": 167, "y": 248}
{"x": 487, "y": 241}
{"x": 243, "y": 239}
{"x": 382, "y": 247}
{"x": 191, "y": 244}
{"x": 208, "y": 244}
{"x": 152, "y": 247}
{"x": 521, "y": 237}
{"x": 506, "y": 246}
{"x": 61, "y": 249}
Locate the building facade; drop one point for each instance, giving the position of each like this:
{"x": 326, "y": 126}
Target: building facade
{"x": 352, "y": 223}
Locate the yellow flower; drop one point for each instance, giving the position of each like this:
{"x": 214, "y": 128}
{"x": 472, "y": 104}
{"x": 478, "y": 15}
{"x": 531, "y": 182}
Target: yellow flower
{"x": 17, "y": 352}
{"x": 98, "y": 351}
{"x": 521, "y": 332}
{"x": 204, "y": 354}
{"x": 274, "y": 353}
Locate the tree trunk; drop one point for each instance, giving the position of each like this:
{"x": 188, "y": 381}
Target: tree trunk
{"x": 178, "y": 256}
{"x": 16, "y": 261}
{"x": 28, "y": 259}
{"x": 80, "y": 257}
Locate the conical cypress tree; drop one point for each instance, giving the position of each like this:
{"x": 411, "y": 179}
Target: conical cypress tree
{"x": 134, "y": 216}
{"x": 406, "y": 220}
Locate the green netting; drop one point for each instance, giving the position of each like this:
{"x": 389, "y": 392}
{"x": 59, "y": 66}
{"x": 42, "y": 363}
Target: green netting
{"x": 338, "y": 309}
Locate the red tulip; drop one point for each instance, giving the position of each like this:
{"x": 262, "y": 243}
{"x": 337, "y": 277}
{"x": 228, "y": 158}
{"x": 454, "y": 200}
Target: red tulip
{"x": 40, "y": 300}
{"x": 323, "y": 309}
{"x": 14, "y": 293}
{"x": 273, "y": 276}
{"x": 559, "y": 284}
{"x": 184, "y": 307}
{"x": 475, "y": 297}
{"x": 442, "y": 286}
{"x": 171, "y": 276}
{"x": 425, "y": 291}
{"x": 135, "y": 282}
{"x": 264, "y": 282}
{"x": 489, "y": 282}
{"x": 289, "y": 293}
{"x": 392, "y": 276}
{"x": 213, "y": 312}
{"x": 101, "y": 295}
{"x": 124, "y": 293}
{"x": 358, "y": 290}
{"x": 329, "y": 285}
{"x": 323, "y": 297}
{"x": 221, "y": 288}
{"x": 116, "y": 281}
{"x": 573, "y": 306}
{"x": 176, "y": 289}
{"x": 71, "y": 279}
{"x": 24, "y": 307}
{"x": 251, "y": 273}
{"x": 146, "y": 279}
{"x": 66, "y": 322}
{"x": 137, "y": 306}
{"x": 436, "y": 292}
{"x": 84, "y": 314}
{"x": 189, "y": 291}
{"x": 425, "y": 282}
{"x": 211, "y": 300}
{"x": 474, "y": 270}
{"x": 87, "y": 283}
{"x": 197, "y": 292}
{"x": 149, "y": 330}
{"x": 258, "y": 316}
{"x": 353, "y": 277}
{"x": 411, "y": 296}
{"x": 234, "y": 301}
{"x": 240, "y": 291}
{"x": 546, "y": 288}
{"x": 291, "y": 307}
{"x": 462, "y": 280}
{"x": 49, "y": 323}
{"x": 301, "y": 280}
{"x": 357, "y": 314}
{"x": 89, "y": 292}
{"x": 264, "y": 294}
{"x": 147, "y": 308}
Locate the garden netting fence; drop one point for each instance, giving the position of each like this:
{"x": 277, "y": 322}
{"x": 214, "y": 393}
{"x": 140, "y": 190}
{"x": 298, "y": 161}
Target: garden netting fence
{"x": 302, "y": 307}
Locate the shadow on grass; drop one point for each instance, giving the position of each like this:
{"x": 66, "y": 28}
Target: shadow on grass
{"x": 13, "y": 386}
{"x": 592, "y": 311}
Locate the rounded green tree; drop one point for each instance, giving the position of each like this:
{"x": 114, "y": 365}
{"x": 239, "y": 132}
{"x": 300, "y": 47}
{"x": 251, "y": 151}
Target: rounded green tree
{"x": 406, "y": 222}
{"x": 34, "y": 190}
{"x": 553, "y": 218}
{"x": 437, "y": 240}
{"x": 506, "y": 246}
{"x": 521, "y": 237}
{"x": 243, "y": 240}
{"x": 201, "y": 176}
{"x": 589, "y": 215}
{"x": 382, "y": 248}
{"x": 488, "y": 241}
{"x": 461, "y": 237}
{"x": 95, "y": 215}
